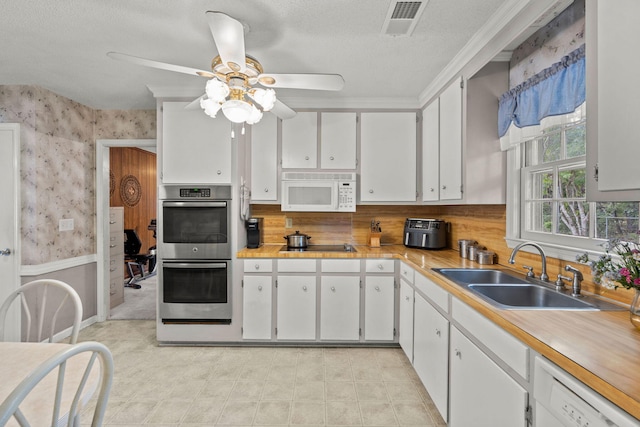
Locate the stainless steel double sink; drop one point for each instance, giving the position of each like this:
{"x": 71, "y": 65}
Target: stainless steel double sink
{"x": 509, "y": 291}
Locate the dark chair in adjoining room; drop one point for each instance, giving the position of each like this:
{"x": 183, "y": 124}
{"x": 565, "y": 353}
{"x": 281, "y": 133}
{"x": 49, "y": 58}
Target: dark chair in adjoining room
{"x": 133, "y": 258}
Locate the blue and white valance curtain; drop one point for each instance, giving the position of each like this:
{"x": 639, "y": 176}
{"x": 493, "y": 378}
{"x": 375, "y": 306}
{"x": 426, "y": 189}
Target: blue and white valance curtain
{"x": 557, "y": 90}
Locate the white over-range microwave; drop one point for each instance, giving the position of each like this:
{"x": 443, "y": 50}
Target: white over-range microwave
{"x": 318, "y": 192}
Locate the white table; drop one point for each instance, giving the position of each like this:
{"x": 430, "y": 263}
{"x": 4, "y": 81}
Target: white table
{"x": 18, "y": 360}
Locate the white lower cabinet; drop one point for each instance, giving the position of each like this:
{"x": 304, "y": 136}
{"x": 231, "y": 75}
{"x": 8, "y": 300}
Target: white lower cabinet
{"x": 340, "y": 308}
{"x": 256, "y": 307}
{"x": 379, "y": 308}
{"x": 405, "y": 336}
{"x": 296, "y": 312}
{"x": 431, "y": 352}
{"x": 482, "y": 394}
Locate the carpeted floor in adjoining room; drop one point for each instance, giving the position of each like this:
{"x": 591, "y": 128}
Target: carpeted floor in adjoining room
{"x": 139, "y": 304}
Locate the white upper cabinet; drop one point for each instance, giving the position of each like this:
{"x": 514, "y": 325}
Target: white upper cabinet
{"x": 338, "y": 140}
{"x": 431, "y": 152}
{"x": 451, "y": 142}
{"x": 196, "y": 148}
{"x": 300, "y": 141}
{"x": 264, "y": 159}
{"x": 613, "y": 144}
{"x": 388, "y": 152}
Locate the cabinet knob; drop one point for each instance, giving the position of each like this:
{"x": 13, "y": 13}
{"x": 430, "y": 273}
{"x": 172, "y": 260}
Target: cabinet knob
{"x": 444, "y": 187}
{"x": 112, "y": 222}
{"x": 112, "y": 246}
{"x": 380, "y": 267}
{"x": 333, "y": 288}
{"x": 331, "y": 158}
{"x": 304, "y": 288}
{"x": 257, "y": 266}
{"x": 377, "y": 288}
{"x": 458, "y": 353}
{"x": 371, "y": 191}
{"x": 306, "y": 157}
{"x": 407, "y": 298}
{"x": 112, "y": 269}
{"x": 219, "y": 172}
{"x": 432, "y": 189}
{"x": 266, "y": 190}
{"x": 438, "y": 332}
{"x": 260, "y": 288}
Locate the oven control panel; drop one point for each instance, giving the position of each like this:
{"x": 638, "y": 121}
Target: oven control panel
{"x": 195, "y": 192}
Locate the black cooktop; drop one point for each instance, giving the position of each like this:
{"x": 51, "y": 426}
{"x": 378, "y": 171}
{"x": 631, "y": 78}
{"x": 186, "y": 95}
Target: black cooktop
{"x": 321, "y": 248}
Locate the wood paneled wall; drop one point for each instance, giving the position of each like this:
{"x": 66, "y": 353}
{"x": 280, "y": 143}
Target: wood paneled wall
{"x": 141, "y": 164}
{"x": 484, "y": 223}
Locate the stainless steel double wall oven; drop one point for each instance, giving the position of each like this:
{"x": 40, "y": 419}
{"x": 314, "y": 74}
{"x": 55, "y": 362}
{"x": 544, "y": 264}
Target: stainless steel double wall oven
{"x": 194, "y": 246}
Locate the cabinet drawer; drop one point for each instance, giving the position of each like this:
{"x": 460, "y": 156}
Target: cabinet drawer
{"x": 407, "y": 272}
{"x": 432, "y": 291}
{"x": 116, "y": 243}
{"x": 116, "y": 266}
{"x": 500, "y": 342}
{"x": 258, "y": 266}
{"x": 297, "y": 265}
{"x": 116, "y": 219}
{"x": 340, "y": 266}
{"x": 380, "y": 266}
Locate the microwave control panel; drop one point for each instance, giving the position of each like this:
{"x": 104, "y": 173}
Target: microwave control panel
{"x": 346, "y": 196}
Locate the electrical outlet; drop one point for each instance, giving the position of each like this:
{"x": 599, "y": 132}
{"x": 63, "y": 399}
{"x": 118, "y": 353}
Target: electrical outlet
{"x": 65, "y": 224}
{"x": 288, "y": 222}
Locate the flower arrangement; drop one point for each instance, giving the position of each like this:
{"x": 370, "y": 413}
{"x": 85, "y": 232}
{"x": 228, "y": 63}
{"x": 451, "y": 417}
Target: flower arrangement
{"x": 623, "y": 270}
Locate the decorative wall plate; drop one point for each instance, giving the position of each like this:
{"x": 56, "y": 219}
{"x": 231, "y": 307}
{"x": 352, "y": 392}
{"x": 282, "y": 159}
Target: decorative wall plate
{"x": 112, "y": 184}
{"x": 130, "y": 190}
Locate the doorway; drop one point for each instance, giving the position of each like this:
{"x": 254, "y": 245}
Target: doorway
{"x": 103, "y": 185}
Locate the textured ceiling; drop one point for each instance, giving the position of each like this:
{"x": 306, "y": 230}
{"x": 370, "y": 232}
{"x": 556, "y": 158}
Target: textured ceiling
{"x": 62, "y": 44}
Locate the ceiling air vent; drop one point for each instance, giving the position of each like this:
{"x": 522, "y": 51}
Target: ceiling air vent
{"x": 402, "y": 17}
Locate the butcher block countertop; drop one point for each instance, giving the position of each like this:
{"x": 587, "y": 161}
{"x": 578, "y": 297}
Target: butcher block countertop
{"x": 600, "y": 348}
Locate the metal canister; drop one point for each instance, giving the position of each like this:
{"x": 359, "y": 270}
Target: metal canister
{"x": 472, "y": 252}
{"x": 463, "y": 247}
{"x": 486, "y": 257}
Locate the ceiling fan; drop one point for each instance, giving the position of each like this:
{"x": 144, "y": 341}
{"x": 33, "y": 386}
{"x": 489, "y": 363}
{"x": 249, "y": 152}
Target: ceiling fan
{"x": 235, "y": 78}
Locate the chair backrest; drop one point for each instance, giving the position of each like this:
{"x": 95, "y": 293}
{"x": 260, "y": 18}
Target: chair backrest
{"x": 40, "y": 299}
{"x": 68, "y": 391}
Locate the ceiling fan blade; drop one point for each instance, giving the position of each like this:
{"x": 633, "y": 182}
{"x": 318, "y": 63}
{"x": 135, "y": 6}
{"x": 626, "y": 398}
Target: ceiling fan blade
{"x": 228, "y": 34}
{"x": 281, "y": 110}
{"x": 160, "y": 65}
{"x": 303, "y": 81}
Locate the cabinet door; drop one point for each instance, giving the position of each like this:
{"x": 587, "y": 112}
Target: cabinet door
{"x": 264, "y": 159}
{"x": 431, "y": 353}
{"x": 338, "y": 141}
{"x": 451, "y": 142}
{"x": 431, "y": 152}
{"x": 612, "y": 101}
{"x": 405, "y": 338}
{"x": 196, "y": 149}
{"x": 388, "y": 152}
{"x": 482, "y": 394}
{"x": 296, "y": 313}
{"x": 256, "y": 308}
{"x": 300, "y": 141}
{"x": 340, "y": 308}
{"x": 379, "y": 308}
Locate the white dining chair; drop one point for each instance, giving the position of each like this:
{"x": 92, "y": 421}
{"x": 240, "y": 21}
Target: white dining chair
{"x": 46, "y": 397}
{"x": 44, "y": 300}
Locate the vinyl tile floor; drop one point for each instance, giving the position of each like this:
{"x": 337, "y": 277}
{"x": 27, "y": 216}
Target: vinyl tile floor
{"x": 256, "y": 386}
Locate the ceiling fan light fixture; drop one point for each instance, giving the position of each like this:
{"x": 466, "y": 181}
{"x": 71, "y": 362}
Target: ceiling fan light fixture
{"x": 216, "y": 90}
{"x": 255, "y": 117}
{"x": 265, "y": 97}
{"x": 210, "y": 107}
{"x": 236, "y": 110}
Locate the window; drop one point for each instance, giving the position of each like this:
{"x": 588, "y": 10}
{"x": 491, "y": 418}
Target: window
{"x": 552, "y": 206}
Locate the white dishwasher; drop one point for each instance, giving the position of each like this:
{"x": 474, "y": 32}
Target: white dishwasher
{"x": 563, "y": 401}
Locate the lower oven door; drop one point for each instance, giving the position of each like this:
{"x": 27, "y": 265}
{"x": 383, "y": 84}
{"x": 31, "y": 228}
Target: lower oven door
{"x": 195, "y": 291}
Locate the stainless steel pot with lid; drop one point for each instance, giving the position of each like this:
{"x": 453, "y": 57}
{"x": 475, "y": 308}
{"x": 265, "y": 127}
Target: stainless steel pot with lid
{"x": 297, "y": 240}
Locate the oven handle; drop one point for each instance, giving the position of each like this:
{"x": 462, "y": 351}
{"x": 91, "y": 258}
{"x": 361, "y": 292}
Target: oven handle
{"x": 208, "y": 204}
{"x": 192, "y": 265}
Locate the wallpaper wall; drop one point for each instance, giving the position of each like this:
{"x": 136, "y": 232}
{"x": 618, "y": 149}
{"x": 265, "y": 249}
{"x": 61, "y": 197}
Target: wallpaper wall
{"x": 58, "y": 166}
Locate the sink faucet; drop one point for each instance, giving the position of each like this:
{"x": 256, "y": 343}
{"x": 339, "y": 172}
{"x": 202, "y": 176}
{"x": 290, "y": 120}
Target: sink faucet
{"x": 577, "y": 280}
{"x": 512, "y": 259}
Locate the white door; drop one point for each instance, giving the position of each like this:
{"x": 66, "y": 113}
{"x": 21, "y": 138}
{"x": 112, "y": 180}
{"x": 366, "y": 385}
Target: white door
{"x": 451, "y": 142}
{"x": 300, "y": 141}
{"x": 379, "y": 308}
{"x": 340, "y": 308}
{"x": 10, "y": 222}
{"x": 256, "y": 307}
{"x": 406, "y": 319}
{"x": 338, "y": 141}
{"x": 296, "y": 308}
{"x": 431, "y": 152}
{"x": 264, "y": 159}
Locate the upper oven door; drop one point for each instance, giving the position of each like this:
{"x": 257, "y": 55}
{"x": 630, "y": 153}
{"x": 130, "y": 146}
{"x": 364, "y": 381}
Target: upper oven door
{"x": 195, "y": 230}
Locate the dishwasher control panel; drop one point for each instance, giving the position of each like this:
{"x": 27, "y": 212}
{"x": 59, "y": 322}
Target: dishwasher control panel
{"x": 572, "y": 410}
